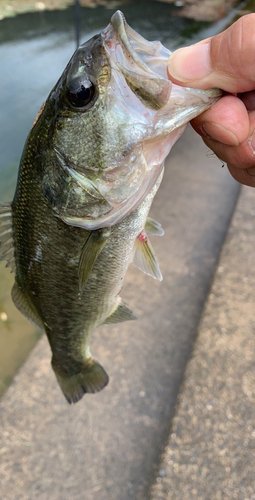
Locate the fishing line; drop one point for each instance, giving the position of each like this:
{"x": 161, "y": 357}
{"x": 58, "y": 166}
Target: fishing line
{"x": 77, "y": 20}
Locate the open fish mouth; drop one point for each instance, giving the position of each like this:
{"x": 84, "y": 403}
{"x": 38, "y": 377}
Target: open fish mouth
{"x": 144, "y": 65}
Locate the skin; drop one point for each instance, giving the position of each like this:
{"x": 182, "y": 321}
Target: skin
{"x": 225, "y": 61}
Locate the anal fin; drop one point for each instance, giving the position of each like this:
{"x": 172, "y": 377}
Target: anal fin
{"x": 6, "y": 236}
{"x": 90, "y": 252}
{"x": 25, "y": 306}
{"x": 120, "y": 313}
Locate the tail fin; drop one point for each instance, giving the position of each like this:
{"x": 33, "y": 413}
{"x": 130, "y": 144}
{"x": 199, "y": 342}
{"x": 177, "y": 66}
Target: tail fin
{"x": 91, "y": 379}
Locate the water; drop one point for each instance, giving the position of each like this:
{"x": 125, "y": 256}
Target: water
{"x": 34, "y": 49}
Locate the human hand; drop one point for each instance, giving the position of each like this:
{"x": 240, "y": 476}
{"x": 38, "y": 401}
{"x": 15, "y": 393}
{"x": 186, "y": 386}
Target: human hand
{"x": 226, "y": 61}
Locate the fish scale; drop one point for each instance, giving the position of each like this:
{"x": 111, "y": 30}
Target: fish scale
{"x": 91, "y": 166}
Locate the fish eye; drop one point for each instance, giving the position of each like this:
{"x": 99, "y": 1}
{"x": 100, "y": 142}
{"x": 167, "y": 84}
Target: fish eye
{"x": 81, "y": 92}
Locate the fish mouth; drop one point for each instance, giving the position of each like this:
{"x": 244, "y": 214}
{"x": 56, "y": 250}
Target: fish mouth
{"x": 130, "y": 40}
{"x": 144, "y": 66}
{"x": 141, "y": 62}
{"x": 145, "y": 55}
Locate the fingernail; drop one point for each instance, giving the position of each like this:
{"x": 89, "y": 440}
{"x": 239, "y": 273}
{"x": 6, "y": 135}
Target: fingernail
{"x": 251, "y": 171}
{"x": 218, "y": 133}
{"x": 251, "y": 142}
{"x": 190, "y": 63}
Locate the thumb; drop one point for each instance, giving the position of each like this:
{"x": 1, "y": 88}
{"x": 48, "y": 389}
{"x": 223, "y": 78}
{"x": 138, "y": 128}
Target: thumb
{"x": 225, "y": 60}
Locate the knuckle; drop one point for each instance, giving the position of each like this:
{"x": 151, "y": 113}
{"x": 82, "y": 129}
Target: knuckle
{"x": 233, "y": 50}
{"x": 242, "y": 175}
{"x": 242, "y": 45}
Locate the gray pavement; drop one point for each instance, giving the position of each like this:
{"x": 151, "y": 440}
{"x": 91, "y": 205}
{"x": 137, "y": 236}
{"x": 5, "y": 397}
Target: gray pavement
{"x": 211, "y": 450}
{"x": 109, "y": 445}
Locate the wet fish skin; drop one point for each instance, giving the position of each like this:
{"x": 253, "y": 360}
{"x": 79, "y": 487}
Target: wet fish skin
{"x": 86, "y": 182}
{"x": 47, "y": 257}
{"x": 51, "y": 282}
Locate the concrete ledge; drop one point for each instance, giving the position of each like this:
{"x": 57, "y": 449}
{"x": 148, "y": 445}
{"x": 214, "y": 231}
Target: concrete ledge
{"x": 211, "y": 450}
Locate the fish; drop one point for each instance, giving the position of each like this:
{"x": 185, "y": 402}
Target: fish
{"x": 91, "y": 166}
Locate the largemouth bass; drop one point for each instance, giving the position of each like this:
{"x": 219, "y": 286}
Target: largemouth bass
{"x": 90, "y": 169}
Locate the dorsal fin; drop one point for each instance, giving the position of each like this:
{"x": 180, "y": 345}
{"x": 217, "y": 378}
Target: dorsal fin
{"x": 120, "y": 313}
{"x": 93, "y": 246}
{"x": 144, "y": 257}
{"x": 6, "y": 236}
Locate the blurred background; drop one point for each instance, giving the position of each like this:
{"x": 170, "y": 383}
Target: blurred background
{"x": 36, "y": 41}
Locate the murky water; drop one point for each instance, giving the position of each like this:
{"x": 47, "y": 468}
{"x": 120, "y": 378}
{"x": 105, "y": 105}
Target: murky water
{"x": 34, "y": 49}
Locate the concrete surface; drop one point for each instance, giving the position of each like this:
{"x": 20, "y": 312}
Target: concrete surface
{"x": 211, "y": 450}
{"x": 108, "y": 446}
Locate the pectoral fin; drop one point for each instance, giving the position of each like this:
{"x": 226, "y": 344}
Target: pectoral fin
{"x": 6, "y": 238}
{"x": 120, "y": 313}
{"x": 25, "y": 306}
{"x": 153, "y": 228}
{"x": 144, "y": 257}
{"x": 93, "y": 246}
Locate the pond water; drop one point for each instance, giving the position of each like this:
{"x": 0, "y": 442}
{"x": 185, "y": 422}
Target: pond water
{"x": 34, "y": 49}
